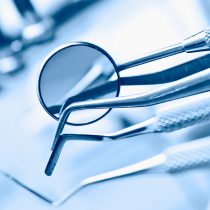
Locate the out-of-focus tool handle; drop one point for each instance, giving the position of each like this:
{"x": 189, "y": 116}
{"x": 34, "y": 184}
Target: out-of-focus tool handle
{"x": 198, "y": 42}
{"x": 188, "y": 155}
{"x": 191, "y": 111}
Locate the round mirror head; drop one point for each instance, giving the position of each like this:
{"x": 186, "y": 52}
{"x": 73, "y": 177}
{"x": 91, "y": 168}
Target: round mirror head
{"x": 77, "y": 72}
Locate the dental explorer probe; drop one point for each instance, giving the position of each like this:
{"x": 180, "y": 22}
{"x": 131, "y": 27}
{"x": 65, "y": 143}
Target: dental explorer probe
{"x": 182, "y": 114}
{"x": 175, "y": 159}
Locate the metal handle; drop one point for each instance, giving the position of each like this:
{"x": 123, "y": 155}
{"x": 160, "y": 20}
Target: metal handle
{"x": 187, "y": 155}
{"x": 191, "y": 111}
{"x": 198, "y": 42}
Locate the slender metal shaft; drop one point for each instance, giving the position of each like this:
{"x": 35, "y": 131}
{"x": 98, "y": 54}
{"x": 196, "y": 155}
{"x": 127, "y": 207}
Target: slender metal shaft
{"x": 162, "y": 53}
{"x": 196, "y": 43}
{"x": 174, "y": 159}
{"x": 145, "y": 127}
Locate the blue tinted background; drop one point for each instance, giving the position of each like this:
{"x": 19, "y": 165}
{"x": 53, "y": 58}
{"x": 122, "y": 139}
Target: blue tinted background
{"x": 125, "y": 29}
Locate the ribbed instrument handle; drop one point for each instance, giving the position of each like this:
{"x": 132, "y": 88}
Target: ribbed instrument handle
{"x": 188, "y": 155}
{"x": 191, "y": 111}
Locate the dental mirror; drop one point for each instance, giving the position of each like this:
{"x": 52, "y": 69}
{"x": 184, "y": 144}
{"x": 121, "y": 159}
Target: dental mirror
{"x": 83, "y": 71}
{"x": 75, "y": 72}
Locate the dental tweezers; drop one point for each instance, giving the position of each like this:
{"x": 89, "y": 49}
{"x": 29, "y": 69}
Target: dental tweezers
{"x": 194, "y": 84}
{"x": 182, "y": 114}
{"x": 161, "y": 77}
{"x": 197, "y": 43}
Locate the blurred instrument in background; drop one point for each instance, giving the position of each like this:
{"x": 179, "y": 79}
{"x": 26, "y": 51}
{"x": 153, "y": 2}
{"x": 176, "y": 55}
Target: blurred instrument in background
{"x": 31, "y": 28}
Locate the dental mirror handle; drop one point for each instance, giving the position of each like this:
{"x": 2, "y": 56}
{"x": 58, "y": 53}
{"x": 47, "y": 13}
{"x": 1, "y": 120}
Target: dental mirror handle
{"x": 196, "y": 43}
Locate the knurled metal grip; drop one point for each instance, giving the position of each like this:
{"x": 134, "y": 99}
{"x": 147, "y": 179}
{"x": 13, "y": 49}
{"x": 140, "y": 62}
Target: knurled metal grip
{"x": 188, "y": 155}
{"x": 191, "y": 111}
{"x": 198, "y": 42}
{"x": 207, "y": 37}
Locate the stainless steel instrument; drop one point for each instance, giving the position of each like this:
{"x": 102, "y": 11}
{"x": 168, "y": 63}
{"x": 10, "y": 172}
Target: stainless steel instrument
{"x": 66, "y": 58}
{"x": 189, "y": 112}
{"x": 174, "y": 159}
{"x": 191, "y": 85}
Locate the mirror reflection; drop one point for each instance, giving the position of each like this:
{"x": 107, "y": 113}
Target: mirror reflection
{"x": 74, "y": 73}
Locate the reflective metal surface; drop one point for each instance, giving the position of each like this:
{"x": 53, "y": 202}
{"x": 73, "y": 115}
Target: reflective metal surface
{"x": 72, "y": 70}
